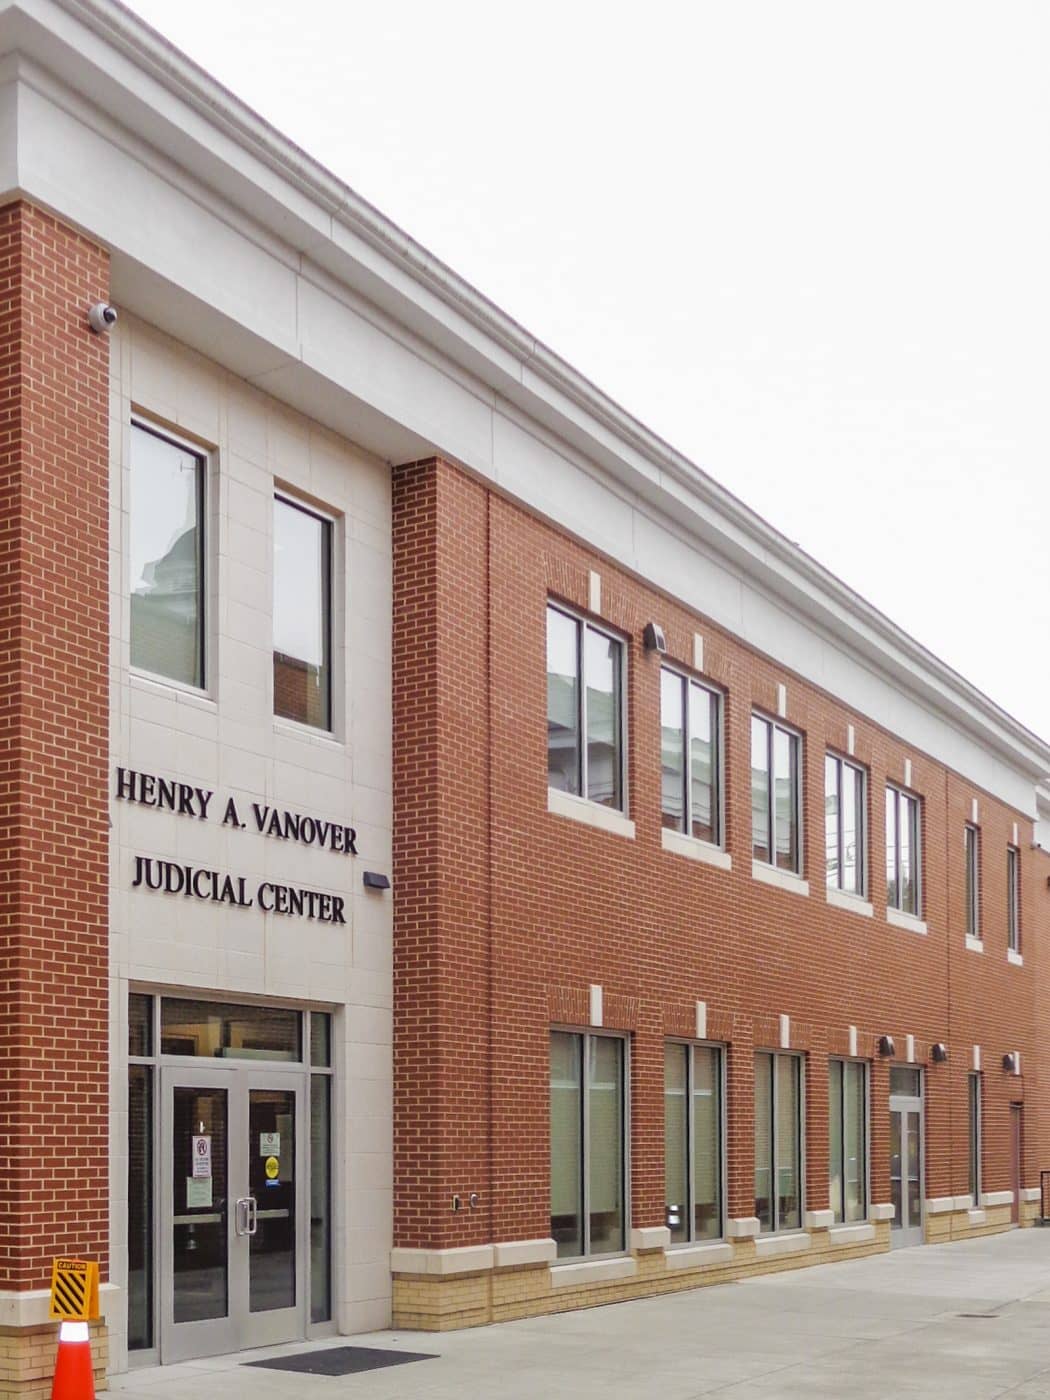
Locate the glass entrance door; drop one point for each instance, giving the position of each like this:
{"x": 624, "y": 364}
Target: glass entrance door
{"x": 232, "y": 1225}
{"x": 906, "y": 1174}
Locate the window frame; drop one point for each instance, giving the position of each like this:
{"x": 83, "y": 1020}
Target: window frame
{"x": 774, "y": 1100}
{"x": 723, "y": 1164}
{"x": 594, "y": 1032}
{"x": 583, "y": 621}
{"x": 772, "y": 725}
{"x": 841, "y": 762}
{"x": 1013, "y": 899}
{"x": 717, "y": 696}
{"x": 284, "y": 496}
{"x": 900, "y": 792}
{"x": 972, "y": 871}
{"x": 866, "y": 1123}
{"x": 205, "y": 472}
{"x": 974, "y": 1107}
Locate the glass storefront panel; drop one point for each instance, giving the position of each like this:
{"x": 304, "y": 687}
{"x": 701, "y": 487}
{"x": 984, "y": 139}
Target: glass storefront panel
{"x": 320, "y": 1198}
{"x": 222, "y": 1030}
{"x": 567, "y": 1143}
{"x": 140, "y": 1206}
{"x": 676, "y": 1142}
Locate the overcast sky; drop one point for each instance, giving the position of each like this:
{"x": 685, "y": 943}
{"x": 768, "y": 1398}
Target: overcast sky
{"x": 808, "y": 243}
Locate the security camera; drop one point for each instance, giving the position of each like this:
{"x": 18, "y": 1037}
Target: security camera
{"x": 102, "y": 317}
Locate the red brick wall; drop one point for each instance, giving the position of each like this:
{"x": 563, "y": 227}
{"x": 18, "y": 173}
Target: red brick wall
{"x": 505, "y": 913}
{"x": 54, "y": 640}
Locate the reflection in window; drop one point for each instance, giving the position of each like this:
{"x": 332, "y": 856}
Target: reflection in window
{"x": 778, "y": 1141}
{"x": 775, "y": 795}
{"x": 902, "y": 851}
{"x": 587, "y": 1144}
{"x": 167, "y": 557}
{"x": 693, "y": 1141}
{"x": 847, "y": 1134}
{"x": 225, "y": 1030}
{"x": 302, "y": 625}
{"x": 689, "y": 715}
{"x": 844, "y": 809}
{"x": 584, "y": 716}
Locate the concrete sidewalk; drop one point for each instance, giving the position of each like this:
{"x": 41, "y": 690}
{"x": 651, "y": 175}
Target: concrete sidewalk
{"x": 893, "y": 1325}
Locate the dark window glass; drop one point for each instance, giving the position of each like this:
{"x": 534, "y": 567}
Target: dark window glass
{"x": 903, "y": 852}
{"x": 587, "y": 1147}
{"x": 320, "y": 1198}
{"x": 689, "y": 716}
{"x": 567, "y": 1143}
{"x": 320, "y": 1039}
{"x": 140, "y": 1206}
{"x": 226, "y": 1031}
{"x": 905, "y": 1082}
{"x": 972, "y": 850}
{"x": 1013, "y": 904}
{"x": 847, "y": 1138}
{"x": 760, "y": 789}
{"x": 140, "y": 1024}
{"x": 778, "y": 1141}
{"x": 199, "y": 1208}
{"x": 601, "y": 671}
{"x": 844, "y": 809}
{"x": 167, "y": 557}
{"x": 584, "y": 715}
{"x": 302, "y": 624}
{"x": 975, "y": 1137}
{"x": 563, "y": 702}
{"x": 672, "y": 752}
{"x": 776, "y": 799}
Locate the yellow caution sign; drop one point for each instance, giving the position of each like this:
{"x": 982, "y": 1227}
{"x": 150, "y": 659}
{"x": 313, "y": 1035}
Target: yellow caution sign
{"x": 273, "y": 1168}
{"x": 74, "y": 1290}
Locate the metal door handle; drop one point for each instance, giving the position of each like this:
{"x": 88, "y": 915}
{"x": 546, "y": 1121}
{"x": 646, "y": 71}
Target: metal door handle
{"x": 242, "y": 1216}
{"x": 253, "y": 1215}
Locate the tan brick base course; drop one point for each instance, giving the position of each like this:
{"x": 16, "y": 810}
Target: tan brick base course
{"x": 956, "y": 1224}
{"x": 500, "y": 1295}
{"x": 27, "y": 1360}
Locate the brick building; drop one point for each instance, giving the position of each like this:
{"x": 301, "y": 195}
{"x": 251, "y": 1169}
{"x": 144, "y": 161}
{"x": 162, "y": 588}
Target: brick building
{"x": 718, "y": 907}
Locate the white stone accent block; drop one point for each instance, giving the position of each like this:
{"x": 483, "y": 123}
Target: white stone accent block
{"x": 592, "y": 1271}
{"x": 852, "y": 903}
{"x": 997, "y": 1198}
{"x": 973, "y": 811}
{"x": 851, "y": 739}
{"x": 701, "y": 1020}
{"x": 744, "y": 1227}
{"x": 650, "y": 1237}
{"x": 579, "y": 809}
{"x": 470, "y": 1259}
{"x": 976, "y": 1217}
{"x": 699, "y": 1256}
{"x": 1015, "y": 841}
{"x": 698, "y": 652}
{"x": 907, "y": 772}
{"x": 883, "y": 1211}
{"x": 770, "y": 1246}
{"x": 782, "y": 700}
{"x": 974, "y": 945}
{"x": 964, "y": 1202}
{"x": 977, "y": 1059}
{"x": 782, "y": 879}
{"x": 819, "y": 1219}
{"x": 1030, "y": 1193}
{"x": 785, "y": 1032}
{"x": 520, "y": 1252}
{"x": 899, "y": 919}
{"x": 940, "y": 1205}
{"x": 853, "y": 1040}
{"x": 595, "y": 1004}
{"x": 909, "y": 1052}
{"x": 851, "y": 1234}
{"x": 594, "y": 593}
{"x": 1012, "y": 956}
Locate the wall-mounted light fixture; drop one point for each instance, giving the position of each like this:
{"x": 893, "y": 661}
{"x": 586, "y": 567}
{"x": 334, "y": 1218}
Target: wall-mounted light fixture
{"x": 375, "y": 880}
{"x": 939, "y": 1052}
{"x": 887, "y": 1049}
{"x": 1012, "y": 1062}
{"x": 653, "y": 638}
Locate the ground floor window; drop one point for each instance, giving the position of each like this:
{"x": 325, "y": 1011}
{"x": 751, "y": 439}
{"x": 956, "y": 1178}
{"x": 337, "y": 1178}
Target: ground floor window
{"x": 588, "y": 1144}
{"x": 848, "y": 1140}
{"x": 778, "y": 1141}
{"x": 974, "y": 1119}
{"x": 693, "y": 1141}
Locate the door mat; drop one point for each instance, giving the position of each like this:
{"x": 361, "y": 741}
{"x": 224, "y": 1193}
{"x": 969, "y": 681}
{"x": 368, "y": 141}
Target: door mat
{"x": 341, "y": 1361}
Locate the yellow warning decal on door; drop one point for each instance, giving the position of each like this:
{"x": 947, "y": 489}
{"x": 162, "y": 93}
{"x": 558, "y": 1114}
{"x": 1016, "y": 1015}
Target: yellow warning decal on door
{"x": 74, "y": 1290}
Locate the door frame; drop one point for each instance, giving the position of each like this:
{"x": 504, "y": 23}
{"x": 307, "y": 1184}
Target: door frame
{"x": 915, "y": 1234}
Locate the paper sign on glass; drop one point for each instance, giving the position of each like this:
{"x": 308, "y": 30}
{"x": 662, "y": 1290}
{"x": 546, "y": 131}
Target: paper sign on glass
{"x": 269, "y": 1144}
{"x": 202, "y": 1159}
{"x": 198, "y": 1193}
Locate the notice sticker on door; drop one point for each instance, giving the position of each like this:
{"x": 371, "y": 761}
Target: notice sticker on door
{"x": 273, "y": 1168}
{"x": 198, "y": 1194}
{"x": 269, "y": 1144}
{"x": 202, "y": 1158}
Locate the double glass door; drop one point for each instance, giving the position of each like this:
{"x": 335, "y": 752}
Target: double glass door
{"x": 233, "y": 1236}
{"x": 906, "y": 1188}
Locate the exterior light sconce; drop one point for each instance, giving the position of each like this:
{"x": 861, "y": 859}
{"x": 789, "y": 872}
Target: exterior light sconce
{"x": 1012, "y": 1062}
{"x": 939, "y": 1053}
{"x": 887, "y": 1049}
{"x": 376, "y": 881}
{"x": 653, "y": 638}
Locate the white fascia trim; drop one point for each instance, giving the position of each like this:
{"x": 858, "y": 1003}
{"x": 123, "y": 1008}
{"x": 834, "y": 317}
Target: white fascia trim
{"x": 592, "y": 1271}
{"x": 580, "y": 809}
{"x": 1014, "y": 957}
{"x": 898, "y": 919}
{"x": 853, "y": 902}
{"x": 851, "y": 1234}
{"x": 286, "y": 187}
{"x": 974, "y": 945}
{"x": 779, "y": 879}
{"x": 698, "y": 1256}
{"x": 470, "y": 1259}
{"x": 770, "y": 1246}
{"x": 518, "y": 1253}
{"x": 32, "y": 1308}
{"x": 689, "y": 846}
{"x": 997, "y": 1198}
{"x": 883, "y": 1211}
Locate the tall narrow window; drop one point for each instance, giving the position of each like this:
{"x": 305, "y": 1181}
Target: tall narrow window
{"x": 167, "y": 557}
{"x": 776, "y": 799}
{"x": 1013, "y": 900}
{"x": 972, "y": 855}
{"x": 302, "y": 622}
{"x": 690, "y": 757}
{"x": 847, "y": 1140}
{"x": 584, "y": 709}
{"x": 903, "y": 852}
{"x": 778, "y": 1141}
{"x": 974, "y": 1116}
{"x": 588, "y": 1134}
{"x": 140, "y": 1173}
{"x": 845, "y": 807}
{"x": 693, "y": 1141}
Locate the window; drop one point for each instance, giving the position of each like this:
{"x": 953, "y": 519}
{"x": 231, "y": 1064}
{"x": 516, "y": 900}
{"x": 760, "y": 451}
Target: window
{"x": 584, "y": 709}
{"x": 588, "y": 1134}
{"x": 848, "y": 1140}
{"x": 690, "y": 757}
{"x": 167, "y": 557}
{"x": 302, "y": 622}
{"x": 775, "y": 795}
{"x": 903, "y": 852}
{"x": 972, "y": 851}
{"x": 1013, "y": 900}
{"x": 974, "y": 1118}
{"x": 845, "y": 805}
{"x": 778, "y": 1141}
{"x": 693, "y": 1141}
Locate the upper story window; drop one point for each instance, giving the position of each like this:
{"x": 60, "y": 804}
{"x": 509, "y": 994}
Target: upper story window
{"x": 1013, "y": 899}
{"x": 903, "y": 852}
{"x": 693, "y": 1141}
{"x": 972, "y": 857}
{"x": 584, "y": 709}
{"x": 302, "y": 614}
{"x": 845, "y": 807}
{"x": 167, "y": 557}
{"x": 690, "y": 763}
{"x": 776, "y": 797}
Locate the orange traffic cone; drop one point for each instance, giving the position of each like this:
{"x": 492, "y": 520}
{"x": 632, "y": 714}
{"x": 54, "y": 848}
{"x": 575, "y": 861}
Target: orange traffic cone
{"x": 74, "y": 1378}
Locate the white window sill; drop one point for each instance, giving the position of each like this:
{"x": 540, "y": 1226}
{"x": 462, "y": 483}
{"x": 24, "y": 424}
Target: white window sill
{"x": 694, "y": 849}
{"x": 153, "y": 684}
{"x": 1015, "y": 958}
{"x": 860, "y": 1233}
{"x": 899, "y": 919}
{"x": 292, "y": 729}
{"x": 855, "y": 903}
{"x": 997, "y": 1198}
{"x": 974, "y": 945}
{"x": 769, "y": 1246}
{"x": 581, "y": 809}
{"x": 592, "y": 1271}
{"x": 698, "y": 1256}
{"x": 779, "y": 879}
